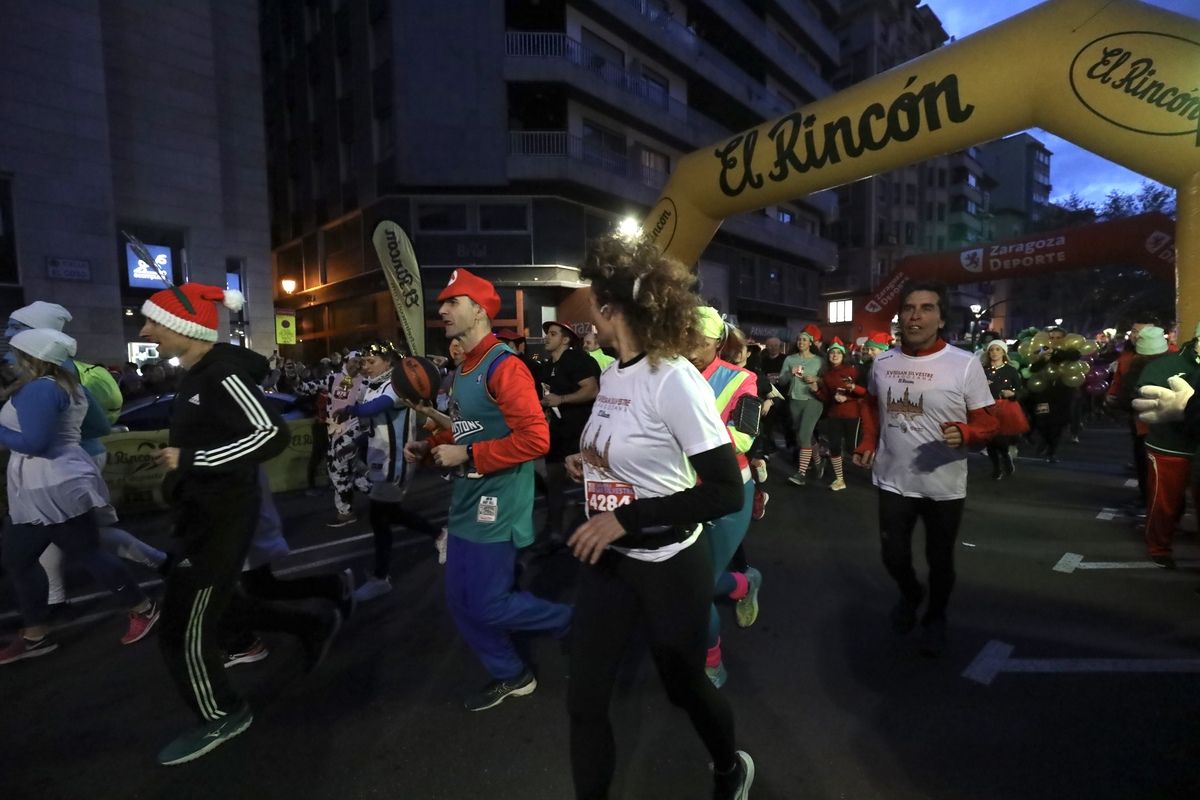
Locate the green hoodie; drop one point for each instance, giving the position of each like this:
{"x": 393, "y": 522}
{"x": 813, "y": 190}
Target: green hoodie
{"x": 1172, "y": 437}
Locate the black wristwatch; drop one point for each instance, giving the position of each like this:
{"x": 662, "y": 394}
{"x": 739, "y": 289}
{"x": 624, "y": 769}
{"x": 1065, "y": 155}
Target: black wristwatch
{"x": 470, "y": 458}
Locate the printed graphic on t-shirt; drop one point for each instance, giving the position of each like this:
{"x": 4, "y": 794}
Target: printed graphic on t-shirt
{"x": 593, "y": 453}
{"x": 462, "y": 428}
{"x": 903, "y": 411}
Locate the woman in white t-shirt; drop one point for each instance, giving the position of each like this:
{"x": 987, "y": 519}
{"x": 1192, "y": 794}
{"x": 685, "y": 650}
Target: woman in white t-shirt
{"x": 653, "y": 430}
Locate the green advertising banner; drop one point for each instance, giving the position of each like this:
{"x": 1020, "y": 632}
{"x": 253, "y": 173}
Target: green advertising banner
{"x": 135, "y": 481}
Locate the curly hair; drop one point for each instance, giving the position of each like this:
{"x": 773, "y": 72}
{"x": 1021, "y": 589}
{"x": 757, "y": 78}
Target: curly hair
{"x": 655, "y": 293}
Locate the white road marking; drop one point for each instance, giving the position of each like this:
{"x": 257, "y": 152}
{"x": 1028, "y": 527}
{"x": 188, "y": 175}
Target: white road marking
{"x": 996, "y": 657}
{"x": 1109, "y": 514}
{"x": 1073, "y": 561}
{"x": 1131, "y": 483}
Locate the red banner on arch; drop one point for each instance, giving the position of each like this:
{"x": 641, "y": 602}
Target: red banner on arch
{"x": 1146, "y": 241}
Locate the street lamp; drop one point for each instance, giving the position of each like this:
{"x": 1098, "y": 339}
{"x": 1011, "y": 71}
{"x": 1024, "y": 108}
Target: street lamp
{"x": 288, "y": 285}
{"x": 1058, "y": 320}
{"x": 976, "y": 308}
{"x": 629, "y": 228}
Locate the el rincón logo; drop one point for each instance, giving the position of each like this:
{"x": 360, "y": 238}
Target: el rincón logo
{"x": 1141, "y": 81}
{"x": 877, "y": 126}
{"x": 903, "y": 406}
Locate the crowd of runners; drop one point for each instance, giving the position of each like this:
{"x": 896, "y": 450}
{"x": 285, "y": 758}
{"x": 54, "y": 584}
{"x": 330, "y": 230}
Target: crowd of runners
{"x": 663, "y": 412}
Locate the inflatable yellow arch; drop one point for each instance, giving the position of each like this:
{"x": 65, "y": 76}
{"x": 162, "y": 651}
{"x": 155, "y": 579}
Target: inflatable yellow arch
{"x": 1118, "y": 77}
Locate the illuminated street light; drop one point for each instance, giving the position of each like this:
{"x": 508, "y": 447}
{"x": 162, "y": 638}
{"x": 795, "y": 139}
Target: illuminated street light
{"x": 1058, "y": 320}
{"x": 629, "y": 228}
{"x": 976, "y": 308}
{"x": 288, "y": 285}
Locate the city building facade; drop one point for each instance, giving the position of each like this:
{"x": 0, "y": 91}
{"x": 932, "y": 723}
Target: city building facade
{"x": 138, "y": 117}
{"x": 934, "y": 205}
{"x": 503, "y": 136}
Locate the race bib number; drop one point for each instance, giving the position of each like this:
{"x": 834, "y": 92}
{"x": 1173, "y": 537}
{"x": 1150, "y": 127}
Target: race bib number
{"x": 488, "y": 510}
{"x": 608, "y": 495}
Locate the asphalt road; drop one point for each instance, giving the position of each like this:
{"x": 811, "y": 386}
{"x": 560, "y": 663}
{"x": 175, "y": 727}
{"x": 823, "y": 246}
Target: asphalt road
{"x": 828, "y": 700}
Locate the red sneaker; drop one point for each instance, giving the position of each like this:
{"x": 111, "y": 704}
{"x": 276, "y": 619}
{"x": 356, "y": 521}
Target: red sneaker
{"x": 760, "y": 504}
{"x": 140, "y": 624}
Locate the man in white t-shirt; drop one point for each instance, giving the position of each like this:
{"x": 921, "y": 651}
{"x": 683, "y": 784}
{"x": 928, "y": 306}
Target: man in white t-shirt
{"x": 928, "y": 403}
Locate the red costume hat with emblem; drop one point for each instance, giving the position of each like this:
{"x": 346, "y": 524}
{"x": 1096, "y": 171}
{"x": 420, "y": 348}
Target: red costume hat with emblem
{"x": 813, "y": 331}
{"x": 191, "y": 309}
{"x": 837, "y": 344}
{"x": 465, "y": 284}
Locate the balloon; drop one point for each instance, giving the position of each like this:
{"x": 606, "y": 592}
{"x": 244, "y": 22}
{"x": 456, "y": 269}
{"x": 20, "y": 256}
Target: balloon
{"x": 1038, "y": 382}
{"x": 1072, "y": 379}
{"x": 1079, "y": 368}
{"x": 1051, "y": 370}
{"x": 1026, "y": 349}
{"x": 1025, "y": 373}
{"x": 1089, "y": 349}
{"x": 1097, "y": 389}
{"x": 1098, "y": 371}
{"x": 1042, "y": 339}
{"x": 1073, "y": 341}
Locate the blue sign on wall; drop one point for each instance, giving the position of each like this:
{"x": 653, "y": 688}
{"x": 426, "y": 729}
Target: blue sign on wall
{"x": 145, "y": 276}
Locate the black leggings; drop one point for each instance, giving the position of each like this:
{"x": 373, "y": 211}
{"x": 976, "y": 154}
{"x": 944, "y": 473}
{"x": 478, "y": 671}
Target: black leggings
{"x": 383, "y": 516}
{"x": 671, "y": 600}
{"x": 841, "y": 434}
{"x": 898, "y": 517}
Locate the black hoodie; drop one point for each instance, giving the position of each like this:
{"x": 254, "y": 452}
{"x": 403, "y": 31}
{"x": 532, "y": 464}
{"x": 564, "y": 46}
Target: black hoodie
{"x": 219, "y": 420}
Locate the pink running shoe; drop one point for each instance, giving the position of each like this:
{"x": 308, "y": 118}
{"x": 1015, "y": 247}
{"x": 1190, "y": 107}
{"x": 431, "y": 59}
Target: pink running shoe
{"x": 140, "y": 624}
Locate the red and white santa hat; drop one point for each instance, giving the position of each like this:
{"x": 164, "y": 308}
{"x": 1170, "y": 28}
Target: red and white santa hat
{"x": 191, "y": 309}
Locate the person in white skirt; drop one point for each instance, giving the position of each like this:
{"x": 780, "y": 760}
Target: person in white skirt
{"x": 55, "y": 494}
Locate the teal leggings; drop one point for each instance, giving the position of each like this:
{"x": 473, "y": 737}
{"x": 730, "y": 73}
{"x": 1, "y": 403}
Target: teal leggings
{"x": 805, "y": 414}
{"x": 724, "y": 535}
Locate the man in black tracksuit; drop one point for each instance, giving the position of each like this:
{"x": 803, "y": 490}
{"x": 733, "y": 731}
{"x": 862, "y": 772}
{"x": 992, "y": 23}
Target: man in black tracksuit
{"x": 221, "y": 430}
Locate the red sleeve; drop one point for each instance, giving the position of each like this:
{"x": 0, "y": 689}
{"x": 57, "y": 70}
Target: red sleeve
{"x": 512, "y": 386}
{"x": 980, "y": 427}
{"x": 822, "y": 390}
{"x": 869, "y": 414}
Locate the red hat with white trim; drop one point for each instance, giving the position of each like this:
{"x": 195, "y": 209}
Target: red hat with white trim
{"x": 813, "y": 331}
{"x": 191, "y": 309}
{"x": 465, "y": 284}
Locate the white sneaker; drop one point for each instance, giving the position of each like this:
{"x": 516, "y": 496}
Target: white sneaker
{"x": 838, "y": 485}
{"x": 372, "y": 588}
{"x": 440, "y": 544}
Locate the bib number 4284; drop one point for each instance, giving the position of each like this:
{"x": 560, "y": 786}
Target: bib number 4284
{"x": 608, "y": 495}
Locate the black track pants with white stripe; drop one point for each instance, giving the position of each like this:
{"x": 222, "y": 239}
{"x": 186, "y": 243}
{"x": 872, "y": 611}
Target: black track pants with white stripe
{"x": 216, "y": 518}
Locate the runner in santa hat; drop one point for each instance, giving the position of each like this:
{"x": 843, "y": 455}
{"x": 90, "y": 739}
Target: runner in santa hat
{"x": 221, "y": 430}
{"x": 840, "y": 390}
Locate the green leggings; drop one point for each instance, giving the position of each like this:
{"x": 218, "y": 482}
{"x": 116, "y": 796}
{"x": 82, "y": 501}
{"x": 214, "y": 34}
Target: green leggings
{"x": 805, "y": 414}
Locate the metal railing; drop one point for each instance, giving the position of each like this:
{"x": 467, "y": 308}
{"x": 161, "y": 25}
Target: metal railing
{"x": 560, "y": 46}
{"x": 756, "y": 95}
{"x": 560, "y": 144}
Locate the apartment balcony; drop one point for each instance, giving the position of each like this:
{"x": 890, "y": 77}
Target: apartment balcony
{"x": 557, "y": 156}
{"x": 664, "y": 33}
{"x": 789, "y": 239}
{"x": 754, "y": 29}
{"x": 534, "y": 57}
{"x": 819, "y": 36}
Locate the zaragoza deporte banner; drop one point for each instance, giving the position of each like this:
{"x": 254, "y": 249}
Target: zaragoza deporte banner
{"x": 1146, "y": 241}
{"x": 1118, "y": 77}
